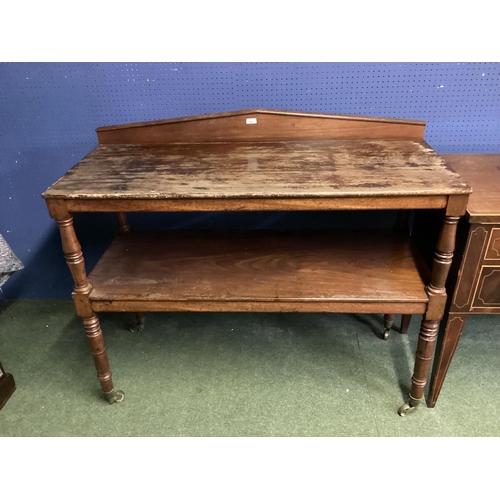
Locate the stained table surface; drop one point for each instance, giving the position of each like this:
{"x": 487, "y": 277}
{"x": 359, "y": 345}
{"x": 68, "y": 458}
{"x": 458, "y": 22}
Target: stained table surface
{"x": 289, "y": 169}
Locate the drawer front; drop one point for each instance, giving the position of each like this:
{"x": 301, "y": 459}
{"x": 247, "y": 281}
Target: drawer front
{"x": 487, "y": 293}
{"x": 473, "y": 255}
{"x": 493, "y": 249}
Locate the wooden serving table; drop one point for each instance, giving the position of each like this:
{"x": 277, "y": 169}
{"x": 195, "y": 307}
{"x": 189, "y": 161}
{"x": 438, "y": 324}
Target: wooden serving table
{"x": 261, "y": 160}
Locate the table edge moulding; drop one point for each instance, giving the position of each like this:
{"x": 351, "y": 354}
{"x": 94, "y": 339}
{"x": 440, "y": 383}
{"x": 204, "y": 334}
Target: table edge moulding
{"x": 262, "y": 160}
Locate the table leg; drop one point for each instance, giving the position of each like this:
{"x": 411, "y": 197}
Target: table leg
{"x": 74, "y": 258}
{"x": 445, "y": 350}
{"x": 123, "y": 225}
{"x": 138, "y": 326}
{"x": 401, "y": 227}
{"x": 436, "y": 291}
{"x": 405, "y": 323}
{"x": 124, "y": 228}
{"x": 388, "y": 321}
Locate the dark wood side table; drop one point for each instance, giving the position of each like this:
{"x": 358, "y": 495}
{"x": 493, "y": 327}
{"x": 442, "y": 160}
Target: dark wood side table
{"x": 261, "y": 160}
{"x": 474, "y": 282}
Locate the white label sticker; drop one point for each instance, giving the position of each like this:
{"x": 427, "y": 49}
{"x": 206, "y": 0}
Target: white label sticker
{"x": 251, "y": 121}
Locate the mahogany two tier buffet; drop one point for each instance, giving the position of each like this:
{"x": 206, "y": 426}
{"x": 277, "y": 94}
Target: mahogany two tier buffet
{"x": 262, "y": 160}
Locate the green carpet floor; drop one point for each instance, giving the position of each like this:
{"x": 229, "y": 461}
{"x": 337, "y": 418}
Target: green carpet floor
{"x": 201, "y": 374}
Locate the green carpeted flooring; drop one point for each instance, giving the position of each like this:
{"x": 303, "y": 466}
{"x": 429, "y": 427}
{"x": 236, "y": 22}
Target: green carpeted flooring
{"x": 201, "y": 374}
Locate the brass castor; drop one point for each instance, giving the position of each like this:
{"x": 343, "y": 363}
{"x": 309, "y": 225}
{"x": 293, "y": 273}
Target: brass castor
{"x": 406, "y": 409}
{"x": 115, "y": 396}
{"x": 139, "y": 326}
{"x": 388, "y": 321}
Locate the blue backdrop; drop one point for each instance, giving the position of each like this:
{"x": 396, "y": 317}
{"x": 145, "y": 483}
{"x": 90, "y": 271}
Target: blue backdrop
{"x": 49, "y": 113}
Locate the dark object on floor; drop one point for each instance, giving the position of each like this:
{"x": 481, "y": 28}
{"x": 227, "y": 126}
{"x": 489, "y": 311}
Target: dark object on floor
{"x": 9, "y": 263}
{"x": 7, "y": 386}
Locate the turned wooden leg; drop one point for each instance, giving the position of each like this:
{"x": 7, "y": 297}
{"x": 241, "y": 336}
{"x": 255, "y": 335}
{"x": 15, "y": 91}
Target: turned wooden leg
{"x": 123, "y": 225}
{"x": 388, "y": 321}
{"x": 74, "y": 258}
{"x": 425, "y": 349}
{"x": 98, "y": 350}
{"x": 445, "y": 350}
{"x": 400, "y": 227}
{"x": 405, "y": 322}
{"x": 124, "y": 228}
{"x": 139, "y": 324}
{"x": 435, "y": 309}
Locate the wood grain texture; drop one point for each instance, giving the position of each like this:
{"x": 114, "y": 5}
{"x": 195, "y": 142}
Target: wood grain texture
{"x": 266, "y": 125}
{"x": 323, "y": 169}
{"x": 358, "y": 266}
{"x": 482, "y": 172}
{"x": 255, "y": 306}
{"x": 250, "y": 204}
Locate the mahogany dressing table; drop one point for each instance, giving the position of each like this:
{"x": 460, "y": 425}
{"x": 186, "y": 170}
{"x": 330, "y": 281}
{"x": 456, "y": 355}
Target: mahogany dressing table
{"x": 261, "y": 160}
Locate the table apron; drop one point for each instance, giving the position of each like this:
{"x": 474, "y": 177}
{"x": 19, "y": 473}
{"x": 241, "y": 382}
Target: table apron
{"x": 260, "y": 306}
{"x": 257, "y": 204}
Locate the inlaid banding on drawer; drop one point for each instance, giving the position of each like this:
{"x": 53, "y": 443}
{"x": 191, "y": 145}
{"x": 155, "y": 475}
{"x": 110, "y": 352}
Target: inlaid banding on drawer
{"x": 493, "y": 250}
{"x": 487, "y": 292}
{"x": 473, "y": 255}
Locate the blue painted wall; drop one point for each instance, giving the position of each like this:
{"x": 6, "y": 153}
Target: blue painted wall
{"x": 49, "y": 113}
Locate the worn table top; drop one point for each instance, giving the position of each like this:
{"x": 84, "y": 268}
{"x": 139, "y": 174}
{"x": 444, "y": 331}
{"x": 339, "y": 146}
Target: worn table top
{"x": 287, "y": 169}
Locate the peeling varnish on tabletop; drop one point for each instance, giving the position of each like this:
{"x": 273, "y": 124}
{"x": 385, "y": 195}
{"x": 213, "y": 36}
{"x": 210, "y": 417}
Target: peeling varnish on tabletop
{"x": 326, "y": 168}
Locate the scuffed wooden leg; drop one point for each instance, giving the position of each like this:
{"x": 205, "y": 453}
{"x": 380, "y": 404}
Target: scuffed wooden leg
{"x": 98, "y": 350}
{"x": 436, "y": 292}
{"x": 444, "y": 354}
{"x": 388, "y": 321}
{"x": 425, "y": 349}
{"x": 405, "y": 322}
{"x": 74, "y": 259}
{"x": 139, "y": 325}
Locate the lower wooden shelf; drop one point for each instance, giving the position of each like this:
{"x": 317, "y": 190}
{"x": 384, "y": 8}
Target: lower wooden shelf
{"x": 310, "y": 271}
